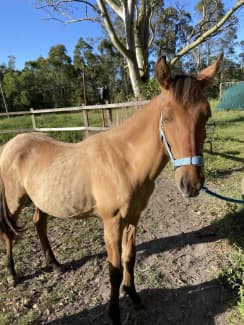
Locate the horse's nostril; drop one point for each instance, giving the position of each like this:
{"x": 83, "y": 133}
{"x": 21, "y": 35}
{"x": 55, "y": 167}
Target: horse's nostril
{"x": 182, "y": 182}
{"x": 184, "y": 185}
{"x": 199, "y": 185}
{"x": 189, "y": 189}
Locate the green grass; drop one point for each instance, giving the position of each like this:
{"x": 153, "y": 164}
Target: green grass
{"x": 225, "y": 166}
{"x": 55, "y": 120}
{"x": 4, "y": 319}
{"x": 52, "y": 121}
{"x": 225, "y": 169}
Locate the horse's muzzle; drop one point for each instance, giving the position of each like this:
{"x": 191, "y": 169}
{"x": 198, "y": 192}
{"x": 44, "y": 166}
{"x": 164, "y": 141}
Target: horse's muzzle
{"x": 190, "y": 188}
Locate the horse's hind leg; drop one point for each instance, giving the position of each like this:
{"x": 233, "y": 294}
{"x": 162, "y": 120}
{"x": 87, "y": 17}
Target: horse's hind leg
{"x": 128, "y": 260}
{"x": 40, "y": 221}
{"x": 11, "y": 274}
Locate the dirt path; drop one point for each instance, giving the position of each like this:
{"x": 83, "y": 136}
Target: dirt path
{"x": 181, "y": 249}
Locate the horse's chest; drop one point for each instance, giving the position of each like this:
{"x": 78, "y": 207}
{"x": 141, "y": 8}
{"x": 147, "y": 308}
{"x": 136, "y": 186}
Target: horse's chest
{"x": 138, "y": 200}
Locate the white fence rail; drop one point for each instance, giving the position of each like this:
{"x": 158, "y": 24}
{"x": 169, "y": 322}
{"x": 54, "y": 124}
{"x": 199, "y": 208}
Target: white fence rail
{"x": 85, "y": 109}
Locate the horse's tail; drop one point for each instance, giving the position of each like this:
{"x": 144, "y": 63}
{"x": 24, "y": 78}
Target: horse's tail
{"x": 7, "y": 224}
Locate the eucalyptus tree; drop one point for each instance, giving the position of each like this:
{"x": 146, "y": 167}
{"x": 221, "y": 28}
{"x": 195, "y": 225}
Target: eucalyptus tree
{"x": 139, "y": 28}
{"x": 114, "y": 71}
{"x": 88, "y": 65}
{"x": 60, "y": 71}
{"x": 209, "y": 13}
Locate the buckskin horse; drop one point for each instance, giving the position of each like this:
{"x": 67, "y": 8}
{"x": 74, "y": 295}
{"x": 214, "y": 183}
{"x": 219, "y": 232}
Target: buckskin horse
{"x": 109, "y": 175}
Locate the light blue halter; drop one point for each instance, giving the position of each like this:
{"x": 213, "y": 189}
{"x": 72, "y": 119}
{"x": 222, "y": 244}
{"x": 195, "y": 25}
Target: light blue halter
{"x": 193, "y": 160}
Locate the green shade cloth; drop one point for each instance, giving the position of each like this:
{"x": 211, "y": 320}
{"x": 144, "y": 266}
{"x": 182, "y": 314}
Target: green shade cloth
{"x": 233, "y": 97}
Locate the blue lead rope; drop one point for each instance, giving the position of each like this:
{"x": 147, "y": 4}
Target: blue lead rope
{"x": 221, "y": 197}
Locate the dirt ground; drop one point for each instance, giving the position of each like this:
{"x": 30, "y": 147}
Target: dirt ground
{"x": 181, "y": 249}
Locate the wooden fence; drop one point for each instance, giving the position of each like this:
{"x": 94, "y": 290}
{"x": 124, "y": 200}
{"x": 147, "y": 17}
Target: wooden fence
{"x": 108, "y": 108}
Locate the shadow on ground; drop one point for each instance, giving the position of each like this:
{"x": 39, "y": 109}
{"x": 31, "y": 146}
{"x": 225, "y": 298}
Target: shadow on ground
{"x": 231, "y": 227}
{"x": 200, "y": 304}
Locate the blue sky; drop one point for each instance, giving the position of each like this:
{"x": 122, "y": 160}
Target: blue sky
{"x": 26, "y": 33}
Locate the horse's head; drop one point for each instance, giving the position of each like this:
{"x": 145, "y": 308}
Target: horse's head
{"x": 185, "y": 111}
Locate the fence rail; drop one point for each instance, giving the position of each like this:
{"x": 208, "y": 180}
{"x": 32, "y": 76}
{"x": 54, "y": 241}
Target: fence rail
{"x": 84, "y": 109}
{"x": 76, "y": 108}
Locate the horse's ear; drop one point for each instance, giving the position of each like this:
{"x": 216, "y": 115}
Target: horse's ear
{"x": 206, "y": 76}
{"x": 162, "y": 73}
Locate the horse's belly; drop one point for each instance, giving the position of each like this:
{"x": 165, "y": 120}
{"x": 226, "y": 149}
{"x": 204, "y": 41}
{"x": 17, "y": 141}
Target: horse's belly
{"x": 61, "y": 194}
{"x": 69, "y": 207}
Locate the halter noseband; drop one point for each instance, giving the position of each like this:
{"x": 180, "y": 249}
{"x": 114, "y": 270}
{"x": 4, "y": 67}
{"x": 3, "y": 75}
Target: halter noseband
{"x": 192, "y": 160}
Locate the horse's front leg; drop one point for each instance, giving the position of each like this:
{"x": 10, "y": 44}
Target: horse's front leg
{"x": 11, "y": 274}
{"x": 128, "y": 260}
{"x": 40, "y": 221}
{"x": 113, "y": 237}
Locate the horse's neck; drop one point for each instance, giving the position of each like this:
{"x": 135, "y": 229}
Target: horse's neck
{"x": 140, "y": 139}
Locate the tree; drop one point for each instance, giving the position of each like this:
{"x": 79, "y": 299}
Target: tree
{"x": 114, "y": 71}
{"x": 174, "y": 26}
{"x": 56, "y": 82}
{"x": 210, "y": 12}
{"x": 11, "y": 62}
{"x": 60, "y": 73}
{"x": 139, "y": 29}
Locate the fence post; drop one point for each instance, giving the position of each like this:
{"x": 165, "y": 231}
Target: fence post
{"x": 110, "y": 115}
{"x": 103, "y": 119}
{"x": 86, "y": 120}
{"x": 33, "y": 119}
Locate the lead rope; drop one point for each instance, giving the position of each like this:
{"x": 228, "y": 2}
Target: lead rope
{"x": 221, "y": 197}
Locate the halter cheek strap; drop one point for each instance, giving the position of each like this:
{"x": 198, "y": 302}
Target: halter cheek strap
{"x": 192, "y": 160}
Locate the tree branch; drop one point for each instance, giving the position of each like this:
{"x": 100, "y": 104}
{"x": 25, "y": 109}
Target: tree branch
{"x": 208, "y": 33}
{"x": 117, "y": 9}
{"x": 108, "y": 24}
{"x": 58, "y": 3}
{"x": 58, "y": 6}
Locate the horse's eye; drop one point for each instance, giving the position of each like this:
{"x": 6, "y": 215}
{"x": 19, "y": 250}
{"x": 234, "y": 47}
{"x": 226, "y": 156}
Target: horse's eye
{"x": 167, "y": 118}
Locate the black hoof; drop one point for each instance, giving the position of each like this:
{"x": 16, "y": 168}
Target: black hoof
{"x": 114, "y": 315}
{"x": 131, "y": 291}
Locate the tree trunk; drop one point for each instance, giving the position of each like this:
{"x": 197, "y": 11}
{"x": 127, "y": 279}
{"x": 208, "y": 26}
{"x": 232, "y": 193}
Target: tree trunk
{"x": 141, "y": 58}
{"x": 134, "y": 77}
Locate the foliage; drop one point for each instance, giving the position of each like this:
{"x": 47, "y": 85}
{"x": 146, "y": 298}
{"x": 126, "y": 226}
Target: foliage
{"x": 139, "y": 28}
{"x": 150, "y": 89}
{"x": 56, "y": 81}
{"x": 234, "y": 277}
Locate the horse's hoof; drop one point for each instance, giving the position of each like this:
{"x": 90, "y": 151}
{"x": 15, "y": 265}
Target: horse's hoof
{"x": 57, "y": 268}
{"x": 114, "y": 315}
{"x": 136, "y": 300}
{"x": 11, "y": 280}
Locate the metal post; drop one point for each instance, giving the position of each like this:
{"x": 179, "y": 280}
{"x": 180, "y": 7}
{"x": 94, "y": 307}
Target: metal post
{"x": 4, "y": 100}
{"x": 85, "y": 112}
